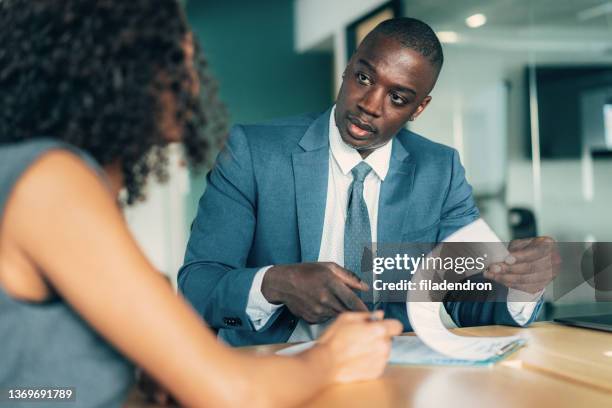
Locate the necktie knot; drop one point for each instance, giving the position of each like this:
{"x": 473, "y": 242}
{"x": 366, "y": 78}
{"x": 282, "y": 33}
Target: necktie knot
{"x": 360, "y": 171}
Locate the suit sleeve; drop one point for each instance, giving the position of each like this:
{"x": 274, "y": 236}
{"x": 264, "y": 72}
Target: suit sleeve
{"x": 214, "y": 277}
{"x": 459, "y": 209}
{"x": 488, "y": 312}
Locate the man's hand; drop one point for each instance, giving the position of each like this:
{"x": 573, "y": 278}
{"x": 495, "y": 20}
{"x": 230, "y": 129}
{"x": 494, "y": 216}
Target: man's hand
{"x": 315, "y": 291}
{"x": 532, "y": 264}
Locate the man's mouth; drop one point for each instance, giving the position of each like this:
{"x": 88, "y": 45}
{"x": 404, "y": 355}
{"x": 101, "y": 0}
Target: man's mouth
{"x": 359, "y": 129}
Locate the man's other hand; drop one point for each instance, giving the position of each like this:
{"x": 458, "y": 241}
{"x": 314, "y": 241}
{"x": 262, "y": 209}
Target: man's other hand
{"x": 532, "y": 264}
{"x": 315, "y": 292}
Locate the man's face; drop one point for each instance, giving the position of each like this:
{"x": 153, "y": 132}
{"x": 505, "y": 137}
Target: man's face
{"x": 385, "y": 85}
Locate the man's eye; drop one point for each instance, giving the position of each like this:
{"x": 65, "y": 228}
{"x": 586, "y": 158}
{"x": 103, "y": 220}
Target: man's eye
{"x": 363, "y": 78}
{"x": 397, "y": 99}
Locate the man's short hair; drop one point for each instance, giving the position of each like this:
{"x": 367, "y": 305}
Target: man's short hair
{"x": 414, "y": 34}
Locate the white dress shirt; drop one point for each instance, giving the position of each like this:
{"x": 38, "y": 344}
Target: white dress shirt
{"x": 342, "y": 159}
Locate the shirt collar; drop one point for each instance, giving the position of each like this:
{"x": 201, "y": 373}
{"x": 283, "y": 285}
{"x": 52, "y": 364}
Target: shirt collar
{"x": 347, "y": 157}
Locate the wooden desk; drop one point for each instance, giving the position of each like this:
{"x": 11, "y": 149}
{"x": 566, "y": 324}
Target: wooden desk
{"x": 575, "y": 355}
{"x": 560, "y": 367}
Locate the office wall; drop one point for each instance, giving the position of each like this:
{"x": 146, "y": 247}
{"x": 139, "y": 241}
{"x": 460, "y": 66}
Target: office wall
{"x": 317, "y": 20}
{"x": 158, "y": 223}
{"x": 250, "y": 47}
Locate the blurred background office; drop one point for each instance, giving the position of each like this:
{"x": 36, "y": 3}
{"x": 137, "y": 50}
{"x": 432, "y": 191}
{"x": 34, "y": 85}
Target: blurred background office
{"x": 525, "y": 96}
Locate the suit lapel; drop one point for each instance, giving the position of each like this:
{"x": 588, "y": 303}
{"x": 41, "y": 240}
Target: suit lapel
{"x": 310, "y": 170}
{"x": 393, "y": 206}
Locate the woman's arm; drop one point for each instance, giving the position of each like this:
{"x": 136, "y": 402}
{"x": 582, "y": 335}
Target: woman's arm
{"x": 62, "y": 217}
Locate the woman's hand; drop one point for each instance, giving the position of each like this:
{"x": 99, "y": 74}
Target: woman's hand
{"x": 358, "y": 345}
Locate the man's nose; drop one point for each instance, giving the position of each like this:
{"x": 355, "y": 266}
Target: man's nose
{"x": 371, "y": 103}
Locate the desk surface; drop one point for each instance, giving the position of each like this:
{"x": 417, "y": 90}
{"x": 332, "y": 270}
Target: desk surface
{"x": 561, "y": 366}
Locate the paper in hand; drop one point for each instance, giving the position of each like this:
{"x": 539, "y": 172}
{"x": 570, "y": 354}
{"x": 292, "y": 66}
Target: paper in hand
{"x": 425, "y": 316}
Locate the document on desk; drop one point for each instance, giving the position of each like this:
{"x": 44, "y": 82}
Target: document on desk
{"x": 425, "y": 316}
{"x": 407, "y": 350}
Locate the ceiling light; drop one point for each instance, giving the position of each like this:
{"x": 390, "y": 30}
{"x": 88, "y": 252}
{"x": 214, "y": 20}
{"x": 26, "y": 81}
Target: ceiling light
{"x": 476, "y": 20}
{"x": 448, "y": 36}
{"x": 608, "y": 353}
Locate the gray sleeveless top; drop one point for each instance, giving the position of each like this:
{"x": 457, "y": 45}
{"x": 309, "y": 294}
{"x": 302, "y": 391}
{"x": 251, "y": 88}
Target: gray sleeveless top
{"x": 48, "y": 344}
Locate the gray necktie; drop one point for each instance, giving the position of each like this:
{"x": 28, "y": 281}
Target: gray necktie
{"x": 357, "y": 233}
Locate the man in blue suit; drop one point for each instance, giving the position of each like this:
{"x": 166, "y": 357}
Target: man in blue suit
{"x": 274, "y": 251}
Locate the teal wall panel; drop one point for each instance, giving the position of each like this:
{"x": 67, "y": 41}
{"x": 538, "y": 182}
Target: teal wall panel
{"x": 249, "y": 45}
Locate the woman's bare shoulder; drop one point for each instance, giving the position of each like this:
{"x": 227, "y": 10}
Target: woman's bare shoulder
{"x": 57, "y": 175}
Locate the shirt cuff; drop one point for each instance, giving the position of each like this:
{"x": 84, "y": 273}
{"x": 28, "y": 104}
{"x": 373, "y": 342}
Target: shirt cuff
{"x": 522, "y": 311}
{"x": 258, "y": 308}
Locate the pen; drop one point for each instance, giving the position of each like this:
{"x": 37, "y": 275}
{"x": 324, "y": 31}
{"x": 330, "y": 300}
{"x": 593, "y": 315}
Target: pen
{"x": 373, "y": 315}
{"x": 509, "y": 347}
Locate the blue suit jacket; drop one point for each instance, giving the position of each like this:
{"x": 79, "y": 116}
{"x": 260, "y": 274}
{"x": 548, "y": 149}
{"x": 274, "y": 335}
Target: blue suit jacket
{"x": 265, "y": 204}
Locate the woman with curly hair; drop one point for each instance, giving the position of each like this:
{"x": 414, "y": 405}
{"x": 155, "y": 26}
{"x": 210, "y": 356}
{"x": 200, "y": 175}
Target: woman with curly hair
{"x": 91, "y": 92}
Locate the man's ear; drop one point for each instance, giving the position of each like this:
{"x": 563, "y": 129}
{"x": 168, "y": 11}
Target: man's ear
{"x": 421, "y": 107}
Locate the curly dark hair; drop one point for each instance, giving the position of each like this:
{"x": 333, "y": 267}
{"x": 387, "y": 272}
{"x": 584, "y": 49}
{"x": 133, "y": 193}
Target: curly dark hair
{"x": 92, "y": 73}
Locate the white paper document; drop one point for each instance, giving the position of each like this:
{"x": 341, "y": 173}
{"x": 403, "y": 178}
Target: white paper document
{"x": 425, "y": 316}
